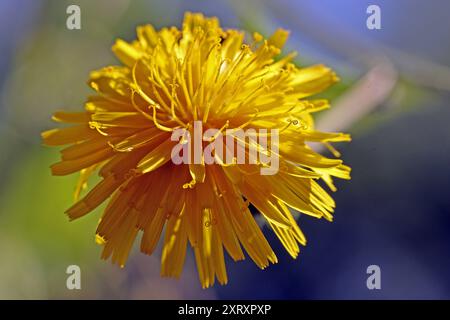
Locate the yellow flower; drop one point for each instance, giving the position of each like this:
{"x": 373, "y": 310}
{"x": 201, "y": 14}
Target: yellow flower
{"x": 169, "y": 80}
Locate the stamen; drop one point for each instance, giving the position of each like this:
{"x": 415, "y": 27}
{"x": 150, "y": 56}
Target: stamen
{"x": 172, "y": 105}
{"x": 157, "y": 124}
{"x": 245, "y": 124}
{"x": 129, "y": 149}
{"x": 218, "y": 132}
{"x": 138, "y": 87}
{"x": 190, "y": 185}
{"x": 95, "y": 125}
{"x": 332, "y": 149}
{"x": 269, "y": 134}
{"x": 145, "y": 114}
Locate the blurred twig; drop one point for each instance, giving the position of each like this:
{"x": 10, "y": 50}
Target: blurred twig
{"x": 421, "y": 71}
{"x": 361, "y": 99}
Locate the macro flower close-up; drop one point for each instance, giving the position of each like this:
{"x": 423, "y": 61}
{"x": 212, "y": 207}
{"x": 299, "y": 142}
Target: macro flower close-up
{"x": 231, "y": 156}
{"x": 173, "y": 79}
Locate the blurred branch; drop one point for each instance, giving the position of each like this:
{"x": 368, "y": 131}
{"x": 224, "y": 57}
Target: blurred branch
{"x": 361, "y": 99}
{"x": 421, "y": 71}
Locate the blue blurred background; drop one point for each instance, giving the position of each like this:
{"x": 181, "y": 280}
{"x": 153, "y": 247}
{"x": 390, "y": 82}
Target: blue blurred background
{"x": 393, "y": 99}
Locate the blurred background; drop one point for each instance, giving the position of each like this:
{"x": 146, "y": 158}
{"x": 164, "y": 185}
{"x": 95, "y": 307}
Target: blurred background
{"x": 393, "y": 98}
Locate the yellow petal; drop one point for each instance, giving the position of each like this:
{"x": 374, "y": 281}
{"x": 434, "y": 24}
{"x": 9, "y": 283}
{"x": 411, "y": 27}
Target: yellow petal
{"x": 278, "y": 39}
{"x": 126, "y": 52}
